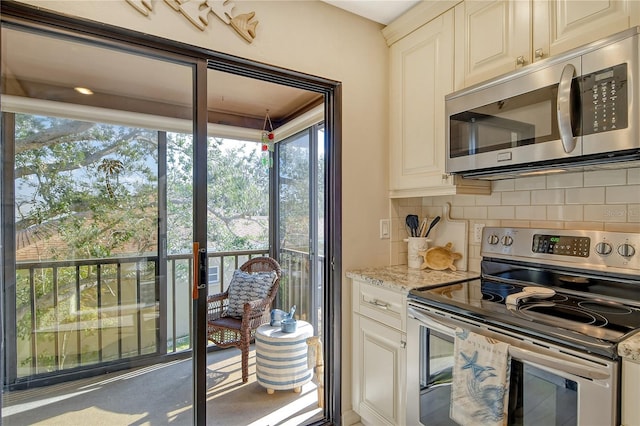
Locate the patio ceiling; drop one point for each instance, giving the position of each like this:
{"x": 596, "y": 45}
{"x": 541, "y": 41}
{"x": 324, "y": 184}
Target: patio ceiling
{"x": 49, "y": 68}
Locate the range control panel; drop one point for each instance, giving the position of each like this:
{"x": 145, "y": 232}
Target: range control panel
{"x": 584, "y": 249}
{"x": 561, "y": 245}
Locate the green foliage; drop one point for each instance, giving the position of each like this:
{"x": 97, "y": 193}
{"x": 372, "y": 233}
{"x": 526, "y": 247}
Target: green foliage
{"x": 89, "y": 190}
{"x": 237, "y": 195}
{"x": 74, "y": 181}
{"x": 94, "y": 186}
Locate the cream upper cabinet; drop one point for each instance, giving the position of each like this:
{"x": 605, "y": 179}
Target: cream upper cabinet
{"x": 491, "y": 37}
{"x": 572, "y": 23}
{"x": 421, "y": 73}
{"x": 495, "y": 37}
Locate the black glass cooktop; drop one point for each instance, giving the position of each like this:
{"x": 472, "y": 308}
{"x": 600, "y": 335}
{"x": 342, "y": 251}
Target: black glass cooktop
{"x": 602, "y": 308}
{"x": 591, "y": 311}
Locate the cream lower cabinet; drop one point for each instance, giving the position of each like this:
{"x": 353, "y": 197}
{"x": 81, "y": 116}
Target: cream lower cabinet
{"x": 630, "y": 392}
{"x": 379, "y": 355}
{"x": 421, "y": 74}
{"x": 497, "y": 36}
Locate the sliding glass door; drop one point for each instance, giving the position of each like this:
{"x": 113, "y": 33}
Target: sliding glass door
{"x": 91, "y": 162}
{"x": 119, "y": 151}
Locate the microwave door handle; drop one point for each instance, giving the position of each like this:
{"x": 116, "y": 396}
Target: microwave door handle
{"x": 564, "y": 106}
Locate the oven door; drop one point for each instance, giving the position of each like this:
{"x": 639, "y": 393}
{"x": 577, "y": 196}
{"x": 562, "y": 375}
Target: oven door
{"x": 548, "y": 385}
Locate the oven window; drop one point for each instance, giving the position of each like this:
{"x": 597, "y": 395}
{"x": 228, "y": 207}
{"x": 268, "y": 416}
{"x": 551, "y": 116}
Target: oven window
{"x": 538, "y": 397}
{"x": 435, "y": 380}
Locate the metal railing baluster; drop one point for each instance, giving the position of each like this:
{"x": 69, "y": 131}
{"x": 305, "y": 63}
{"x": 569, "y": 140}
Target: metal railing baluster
{"x": 80, "y": 324}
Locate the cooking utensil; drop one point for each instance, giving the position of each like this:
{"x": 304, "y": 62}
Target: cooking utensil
{"x": 408, "y": 222}
{"x": 413, "y": 222}
{"x": 416, "y": 225}
{"x": 433, "y": 223}
{"x": 422, "y": 231}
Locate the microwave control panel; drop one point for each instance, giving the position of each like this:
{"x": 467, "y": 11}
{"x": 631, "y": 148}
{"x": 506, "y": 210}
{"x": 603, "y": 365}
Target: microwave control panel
{"x": 604, "y": 100}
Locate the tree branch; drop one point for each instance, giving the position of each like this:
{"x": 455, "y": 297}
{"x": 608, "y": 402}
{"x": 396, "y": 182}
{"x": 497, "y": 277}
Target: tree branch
{"x": 52, "y": 135}
{"x": 88, "y": 158}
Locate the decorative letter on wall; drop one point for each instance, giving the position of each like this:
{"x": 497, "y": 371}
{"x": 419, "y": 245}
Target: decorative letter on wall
{"x": 197, "y": 12}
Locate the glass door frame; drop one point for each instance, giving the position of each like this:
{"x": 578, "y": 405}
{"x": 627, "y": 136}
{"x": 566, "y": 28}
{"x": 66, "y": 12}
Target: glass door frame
{"x": 332, "y": 292}
{"x": 30, "y": 17}
{"x": 313, "y": 142}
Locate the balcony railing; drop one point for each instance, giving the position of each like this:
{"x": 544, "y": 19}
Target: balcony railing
{"x": 82, "y": 314}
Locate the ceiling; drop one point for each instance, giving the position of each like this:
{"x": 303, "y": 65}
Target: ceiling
{"x": 49, "y": 68}
{"x": 381, "y": 11}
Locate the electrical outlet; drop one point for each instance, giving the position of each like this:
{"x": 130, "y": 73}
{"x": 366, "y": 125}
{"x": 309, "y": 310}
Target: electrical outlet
{"x": 477, "y": 232}
{"x": 385, "y": 231}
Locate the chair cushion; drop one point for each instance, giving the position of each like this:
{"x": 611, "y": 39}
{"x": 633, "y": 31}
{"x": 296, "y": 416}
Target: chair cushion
{"x": 245, "y": 287}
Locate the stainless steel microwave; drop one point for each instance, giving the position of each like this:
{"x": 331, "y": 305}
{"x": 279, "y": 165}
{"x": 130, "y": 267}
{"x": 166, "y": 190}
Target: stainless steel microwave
{"x": 580, "y": 109}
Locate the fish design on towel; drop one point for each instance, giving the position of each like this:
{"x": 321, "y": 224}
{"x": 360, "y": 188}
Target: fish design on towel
{"x": 480, "y": 387}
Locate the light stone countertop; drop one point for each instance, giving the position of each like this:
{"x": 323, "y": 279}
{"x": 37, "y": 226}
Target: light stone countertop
{"x": 401, "y": 277}
{"x": 630, "y": 348}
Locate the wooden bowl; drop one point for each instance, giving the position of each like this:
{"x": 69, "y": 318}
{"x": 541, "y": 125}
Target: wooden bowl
{"x": 440, "y": 258}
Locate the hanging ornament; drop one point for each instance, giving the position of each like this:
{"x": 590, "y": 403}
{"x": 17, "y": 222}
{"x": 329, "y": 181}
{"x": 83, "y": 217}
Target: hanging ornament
{"x": 268, "y": 139}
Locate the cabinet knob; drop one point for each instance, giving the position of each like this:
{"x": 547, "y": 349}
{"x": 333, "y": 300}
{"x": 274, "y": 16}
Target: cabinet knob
{"x": 539, "y": 54}
{"x": 520, "y": 61}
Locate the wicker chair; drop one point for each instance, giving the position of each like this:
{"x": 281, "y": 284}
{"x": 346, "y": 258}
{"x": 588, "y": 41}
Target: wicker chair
{"x": 226, "y": 331}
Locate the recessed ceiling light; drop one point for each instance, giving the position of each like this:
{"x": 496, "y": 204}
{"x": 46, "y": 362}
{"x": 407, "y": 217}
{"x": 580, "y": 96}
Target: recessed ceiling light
{"x": 83, "y": 90}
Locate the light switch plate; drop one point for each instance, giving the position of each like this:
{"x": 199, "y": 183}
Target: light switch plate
{"x": 385, "y": 231}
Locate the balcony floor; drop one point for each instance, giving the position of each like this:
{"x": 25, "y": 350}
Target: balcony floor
{"x": 162, "y": 394}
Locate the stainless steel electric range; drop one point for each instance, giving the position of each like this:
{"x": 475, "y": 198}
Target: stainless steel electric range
{"x": 561, "y": 299}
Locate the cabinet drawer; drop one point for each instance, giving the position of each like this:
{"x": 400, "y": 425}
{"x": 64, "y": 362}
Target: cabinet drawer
{"x": 381, "y": 304}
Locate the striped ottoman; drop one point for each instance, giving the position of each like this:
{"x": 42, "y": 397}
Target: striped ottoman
{"x": 281, "y": 358}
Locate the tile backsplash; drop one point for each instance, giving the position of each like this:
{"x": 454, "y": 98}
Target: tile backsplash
{"x": 598, "y": 200}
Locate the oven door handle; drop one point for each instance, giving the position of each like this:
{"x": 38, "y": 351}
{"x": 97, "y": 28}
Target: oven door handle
{"x": 433, "y": 323}
{"x": 517, "y": 349}
{"x": 557, "y": 363}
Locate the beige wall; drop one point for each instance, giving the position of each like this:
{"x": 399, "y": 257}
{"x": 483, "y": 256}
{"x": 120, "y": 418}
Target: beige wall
{"x": 315, "y": 38}
{"x": 601, "y": 200}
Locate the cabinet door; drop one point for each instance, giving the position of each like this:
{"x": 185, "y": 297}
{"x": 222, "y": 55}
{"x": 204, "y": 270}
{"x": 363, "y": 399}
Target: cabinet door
{"x": 566, "y": 24}
{"x": 421, "y": 75}
{"x": 490, "y": 37}
{"x": 379, "y": 362}
{"x": 630, "y": 392}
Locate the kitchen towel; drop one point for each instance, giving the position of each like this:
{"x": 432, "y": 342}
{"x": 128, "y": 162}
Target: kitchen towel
{"x": 480, "y": 386}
